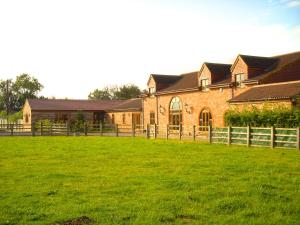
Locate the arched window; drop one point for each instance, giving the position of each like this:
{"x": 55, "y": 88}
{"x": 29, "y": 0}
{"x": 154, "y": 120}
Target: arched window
{"x": 205, "y": 119}
{"x": 175, "y": 115}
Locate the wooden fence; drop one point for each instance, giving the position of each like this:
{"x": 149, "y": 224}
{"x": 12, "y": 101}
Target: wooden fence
{"x": 249, "y": 136}
{"x": 66, "y": 129}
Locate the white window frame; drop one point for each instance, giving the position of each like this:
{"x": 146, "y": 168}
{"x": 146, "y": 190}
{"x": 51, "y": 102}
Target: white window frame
{"x": 239, "y": 81}
{"x": 204, "y": 84}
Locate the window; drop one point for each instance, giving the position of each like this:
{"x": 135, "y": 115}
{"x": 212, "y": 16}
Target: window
{"x": 152, "y": 117}
{"x": 26, "y": 118}
{"x": 205, "y": 120}
{"x": 204, "y": 83}
{"x": 113, "y": 118}
{"x": 136, "y": 118}
{"x": 123, "y": 118}
{"x": 238, "y": 79}
{"x": 151, "y": 91}
{"x": 175, "y": 116}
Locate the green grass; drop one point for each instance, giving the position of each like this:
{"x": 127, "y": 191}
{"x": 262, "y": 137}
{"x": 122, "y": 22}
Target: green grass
{"x": 48, "y": 180}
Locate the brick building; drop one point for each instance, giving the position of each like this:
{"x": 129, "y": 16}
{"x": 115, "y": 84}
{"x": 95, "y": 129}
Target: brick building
{"x": 108, "y": 111}
{"x": 197, "y": 98}
{"x": 202, "y": 97}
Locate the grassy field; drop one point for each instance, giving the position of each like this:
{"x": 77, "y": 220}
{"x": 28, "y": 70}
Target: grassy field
{"x": 49, "y": 180}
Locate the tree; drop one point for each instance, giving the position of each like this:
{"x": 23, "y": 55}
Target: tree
{"x": 114, "y": 92}
{"x": 7, "y": 98}
{"x": 100, "y": 94}
{"x": 14, "y": 93}
{"x": 25, "y": 87}
{"x": 128, "y": 91}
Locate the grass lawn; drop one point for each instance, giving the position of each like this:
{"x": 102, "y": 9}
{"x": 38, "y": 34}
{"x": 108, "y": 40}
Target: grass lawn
{"x": 49, "y": 180}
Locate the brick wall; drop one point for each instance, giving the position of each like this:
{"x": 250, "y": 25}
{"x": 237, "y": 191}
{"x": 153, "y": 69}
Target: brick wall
{"x": 118, "y": 117}
{"x": 215, "y": 100}
{"x": 51, "y": 115}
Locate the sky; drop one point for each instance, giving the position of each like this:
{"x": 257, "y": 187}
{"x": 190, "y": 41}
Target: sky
{"x": 75, "y": 46}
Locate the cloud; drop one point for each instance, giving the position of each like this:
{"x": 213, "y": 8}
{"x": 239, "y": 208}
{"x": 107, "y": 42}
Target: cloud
{"x": 293, "y": 4}
{"x": 289, "y": 3}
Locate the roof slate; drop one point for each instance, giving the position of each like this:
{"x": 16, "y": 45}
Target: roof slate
{"x": 134, "y": 104}
{"x": 185, "y": 81}
{"x": 269, "y": 92}
{"x": 258, "y": 61}
{"x": 281, "y": 68}
{"x": 165, "y": 79}
{"x": 71, "y": 105}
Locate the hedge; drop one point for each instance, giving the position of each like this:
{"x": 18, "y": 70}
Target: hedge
{"x": 265, "y": 117}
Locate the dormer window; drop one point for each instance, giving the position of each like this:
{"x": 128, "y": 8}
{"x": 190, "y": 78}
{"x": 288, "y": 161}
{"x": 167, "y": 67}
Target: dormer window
{"x": 204, "y": 84}
{"x": 151, "y": 91}
{"x": 238, "y": 79}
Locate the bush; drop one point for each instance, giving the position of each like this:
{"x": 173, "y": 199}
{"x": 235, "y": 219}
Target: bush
{"x": 12, "y": 118}
{"x": 266, "y": 117}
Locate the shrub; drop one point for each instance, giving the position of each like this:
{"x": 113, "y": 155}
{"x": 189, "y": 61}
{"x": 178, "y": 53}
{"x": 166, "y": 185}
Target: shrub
{"x": 266, "y": 117}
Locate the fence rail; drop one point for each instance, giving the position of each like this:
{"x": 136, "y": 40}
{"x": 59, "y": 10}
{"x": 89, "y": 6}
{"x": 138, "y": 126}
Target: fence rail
{"x": 66, "y": 129}
{"x": 249, "y": 136}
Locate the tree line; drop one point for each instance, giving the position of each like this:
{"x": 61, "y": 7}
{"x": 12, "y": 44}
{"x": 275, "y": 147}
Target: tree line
{"x": 126, "y": 91}
{"x": 13, "y": 93}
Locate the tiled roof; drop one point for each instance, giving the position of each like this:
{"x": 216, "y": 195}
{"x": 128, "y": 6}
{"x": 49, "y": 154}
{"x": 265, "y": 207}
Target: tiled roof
{"x": 166, "y": 79}
{"x": 134, "y": 104}
{"x": 285, "y": 68}
{"x": 269, "y": 92}
{"x": 71, "y": 105}
{"x": 258, "y": 61}
{"x": 185, "y": 81}
{"x": 282, "y": 68}
{"x": 221, "y": 73}
{"x": 219, "y": 69}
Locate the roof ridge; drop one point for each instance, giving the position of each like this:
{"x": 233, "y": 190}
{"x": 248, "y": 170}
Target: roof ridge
{"x": 274, "y": 84}
{"x": 55, "y": 99}
{"x": 189, "y": 73}
{"x": 286, "y": 54}
{"x": 223, "y": 64}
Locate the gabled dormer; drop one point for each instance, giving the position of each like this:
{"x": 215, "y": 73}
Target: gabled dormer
{"x": 151, "y": 86}
{"x": 158, "y": 82}
{"x": 212, "y": 73}
{"x": 247, "y": 67}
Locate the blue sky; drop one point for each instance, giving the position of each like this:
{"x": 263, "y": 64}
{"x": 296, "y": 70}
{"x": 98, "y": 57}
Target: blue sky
{"x": 75, "y": 46}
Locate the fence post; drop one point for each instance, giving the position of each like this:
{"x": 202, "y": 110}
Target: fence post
{"x": 167, "y": 131}
{"x": 33, "y": 128}
{"x": 117, "y": 130}
{"x": 298, "y": 138}
{"x": 101, "y": 129}
{"x": 229, "y": 135}
{"x": 51, "y": 127}
{"x": 42, "y": 128}
{"x": 148, "y": 131}
{"x": 248, "y": 136}
{"x": 155, "y": 131}
{"x": 85, "y": 128}
{"x": 272, "y": 137}
{"x": 11, "y": 129}
{"x": 133, "y": 129}
{"x": 209, "y": 134}
{"x": 68, "y": 128}
{"x": 180, "y": 131}
{"x": 194, "y": 132}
